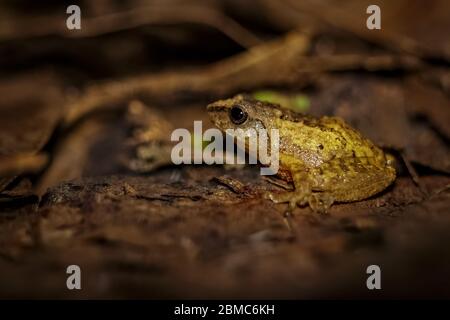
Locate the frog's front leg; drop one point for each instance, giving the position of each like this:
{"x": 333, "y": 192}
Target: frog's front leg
{"x": 299, "y": 196}
{"x": 321, "y": 201}
{"x": 304, "y": 194}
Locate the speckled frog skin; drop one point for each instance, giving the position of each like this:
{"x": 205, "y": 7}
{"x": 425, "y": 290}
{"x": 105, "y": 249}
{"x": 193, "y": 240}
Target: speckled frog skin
{"x": 327, "y": 160}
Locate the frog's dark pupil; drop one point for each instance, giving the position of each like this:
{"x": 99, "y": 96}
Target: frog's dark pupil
{"x": 238, "y": 115}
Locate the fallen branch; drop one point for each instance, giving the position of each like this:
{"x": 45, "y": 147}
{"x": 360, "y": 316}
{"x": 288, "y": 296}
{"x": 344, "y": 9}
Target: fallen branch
{"x": 141, "y": 16}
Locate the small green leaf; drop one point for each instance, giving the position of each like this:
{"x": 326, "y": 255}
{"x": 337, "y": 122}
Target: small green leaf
{"x": 267, "y": 96}
{"x": 301, "y": 103}
{"x": 298, "y": 103}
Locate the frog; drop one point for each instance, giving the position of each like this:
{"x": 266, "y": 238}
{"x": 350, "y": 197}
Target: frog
{"x": 325, "y": 159}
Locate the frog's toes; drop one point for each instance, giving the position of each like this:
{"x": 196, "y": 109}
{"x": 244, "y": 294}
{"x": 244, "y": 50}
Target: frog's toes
{"x": 293, "y": 198}
{"x": 276, "y": 197}
{"x": 320, "y": 201}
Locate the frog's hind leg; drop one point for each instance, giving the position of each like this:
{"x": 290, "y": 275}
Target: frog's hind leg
{"x": 339, "y": 180}
{"x": 353, "y": 179}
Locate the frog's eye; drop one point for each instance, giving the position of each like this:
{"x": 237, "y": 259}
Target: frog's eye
{"x": 237, "y": 115}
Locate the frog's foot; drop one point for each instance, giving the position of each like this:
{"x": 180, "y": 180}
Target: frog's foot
{"x": 320, "y": 201}
{"x": 294, "y": 198}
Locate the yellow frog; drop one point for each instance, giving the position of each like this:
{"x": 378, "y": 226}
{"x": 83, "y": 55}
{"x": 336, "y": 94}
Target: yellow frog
{"x": 327, "y": 160}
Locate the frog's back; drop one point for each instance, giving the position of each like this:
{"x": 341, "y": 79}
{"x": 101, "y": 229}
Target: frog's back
{"x": 316, "y": 141}
{"x": 350, "y": 141}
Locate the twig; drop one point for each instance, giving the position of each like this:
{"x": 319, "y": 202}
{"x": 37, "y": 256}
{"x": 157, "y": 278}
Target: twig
{"x": 22, "y": 163}
{"x": 249, "y": 69}
{"x": 148, "y": 15}
{"x": 338, "y": 18}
